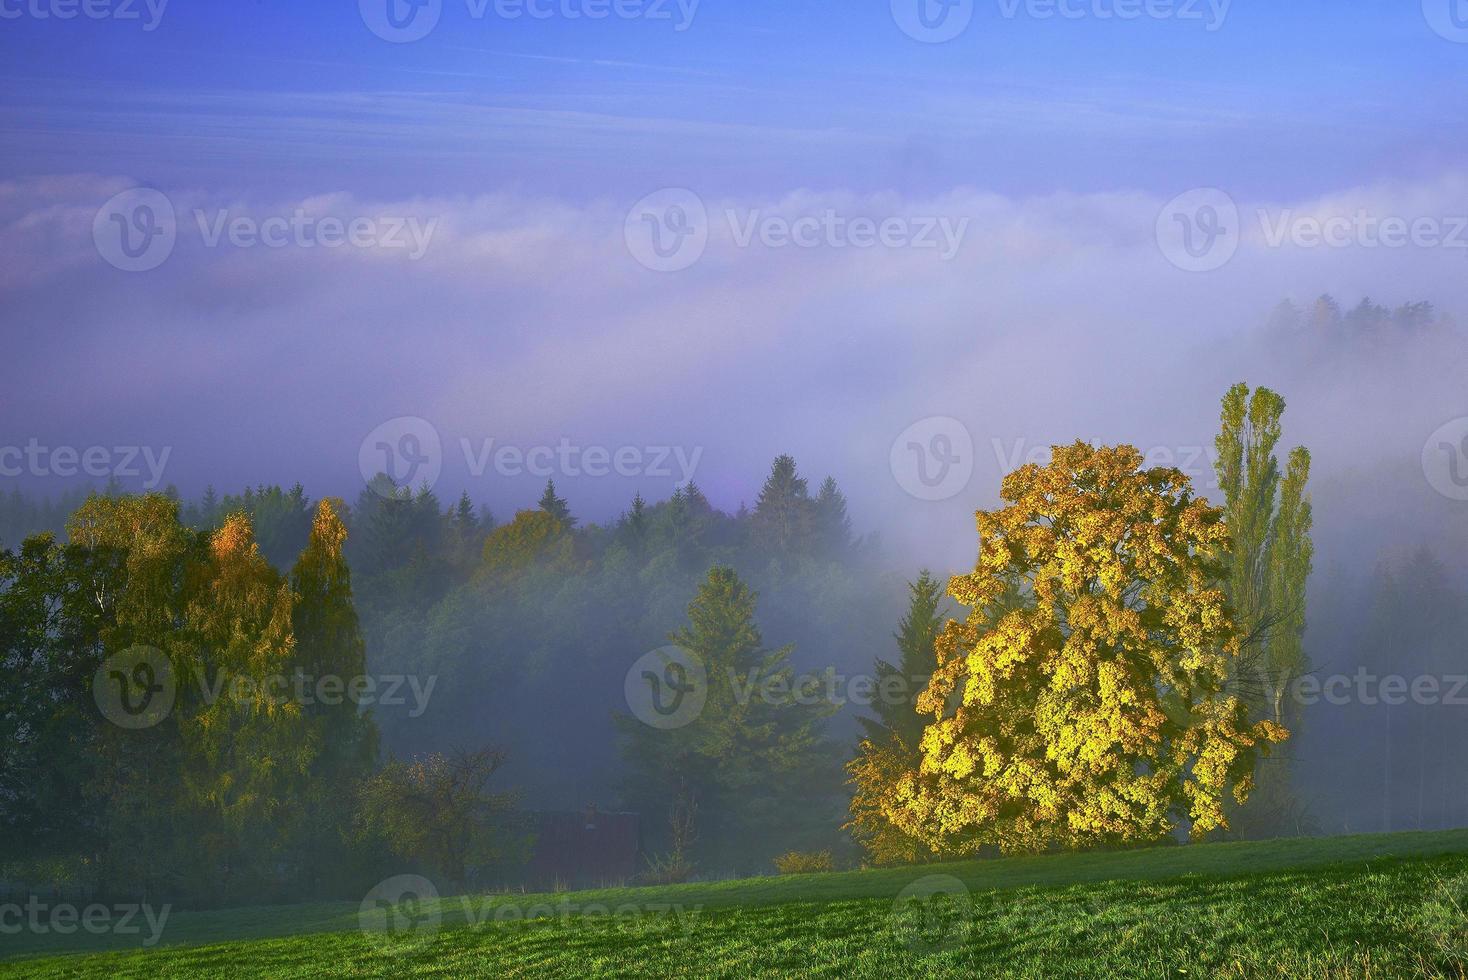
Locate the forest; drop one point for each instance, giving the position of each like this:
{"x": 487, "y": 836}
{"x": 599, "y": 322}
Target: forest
{"x": 349, "y": 689}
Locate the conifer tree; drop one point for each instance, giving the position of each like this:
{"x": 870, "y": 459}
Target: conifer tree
{"x": 782, "y": 515}
{"x": 556, "y": 506}
{"x": 832, "y": 526}
{"x": 749, "y": 757}
{"x": 890, "y": 747}
{"x": 897, "y": 716}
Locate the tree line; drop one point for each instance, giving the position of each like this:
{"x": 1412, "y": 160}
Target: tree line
{"x": 1110, "y": 673}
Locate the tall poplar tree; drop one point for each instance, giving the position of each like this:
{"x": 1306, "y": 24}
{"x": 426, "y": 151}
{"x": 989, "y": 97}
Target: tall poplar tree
{"x": 1269, "y": 517}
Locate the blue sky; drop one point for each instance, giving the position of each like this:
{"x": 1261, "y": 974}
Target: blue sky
{"x": 755, "y": 96}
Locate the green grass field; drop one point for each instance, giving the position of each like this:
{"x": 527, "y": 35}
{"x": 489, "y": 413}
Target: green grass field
{"x": 1368, "y": 906}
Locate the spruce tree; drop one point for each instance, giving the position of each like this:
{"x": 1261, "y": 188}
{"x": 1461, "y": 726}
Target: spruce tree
{"x": 890, "y": 747}
{"x": 748, "y": 761}
{"x": 832, "y": 526}
{"x": 782, "y": 519}
{"x": 556, "y": 506}
{"x": 897, "y": 716}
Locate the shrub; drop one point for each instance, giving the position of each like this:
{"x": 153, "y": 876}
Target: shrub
{"x": 804, "y": 862}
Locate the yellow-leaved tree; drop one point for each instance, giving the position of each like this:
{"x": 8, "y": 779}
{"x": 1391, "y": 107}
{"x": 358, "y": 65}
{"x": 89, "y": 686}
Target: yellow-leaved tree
{"x": 1092, "y": 712}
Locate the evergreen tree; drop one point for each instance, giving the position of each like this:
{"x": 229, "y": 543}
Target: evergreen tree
{"x": 782, "y": 515}
{"x": 891, "y": 746}
{"x": 636, "y": 519}
{"x": 556, "y": 506}
{"x": 748, "y": 762}
{"x": 832, "y": 526}
{"x": 897, "y": 717}
{"x": 466, "y": 534}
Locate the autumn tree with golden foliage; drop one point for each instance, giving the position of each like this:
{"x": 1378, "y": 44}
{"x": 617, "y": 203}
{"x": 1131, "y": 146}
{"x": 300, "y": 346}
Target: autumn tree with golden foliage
{"x": 1094, "y": 712}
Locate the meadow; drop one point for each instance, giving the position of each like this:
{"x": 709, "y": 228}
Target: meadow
{"x": 1367, "y": 906}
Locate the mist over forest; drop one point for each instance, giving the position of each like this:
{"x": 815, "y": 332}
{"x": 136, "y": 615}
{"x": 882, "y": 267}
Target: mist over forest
{"x": 670, "y": 488}
{"x": 513, "y": 624}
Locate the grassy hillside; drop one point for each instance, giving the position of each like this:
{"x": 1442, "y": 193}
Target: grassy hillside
{"x": 1370, "y": 906}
